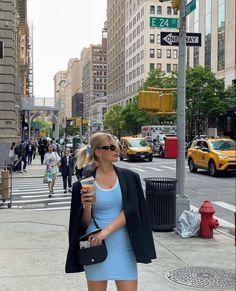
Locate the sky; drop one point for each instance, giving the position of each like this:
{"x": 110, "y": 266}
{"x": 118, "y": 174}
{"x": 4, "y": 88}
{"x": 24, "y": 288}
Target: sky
{"x": 61, "y": 29}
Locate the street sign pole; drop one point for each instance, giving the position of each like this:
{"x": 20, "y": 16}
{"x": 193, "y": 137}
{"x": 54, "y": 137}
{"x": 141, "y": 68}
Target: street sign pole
{"x": 182, "y": 202}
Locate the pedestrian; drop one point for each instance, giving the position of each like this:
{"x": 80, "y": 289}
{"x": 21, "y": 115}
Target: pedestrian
{"x": 12, "y": 156}
{"x": 51, "y": 160}
{"x": 22, "y": 157}
{"x": 30, "y": 149}
{"x": 42, "y": 149}
{"x": 67, "y": 166}
{"x": 120, "y": 211}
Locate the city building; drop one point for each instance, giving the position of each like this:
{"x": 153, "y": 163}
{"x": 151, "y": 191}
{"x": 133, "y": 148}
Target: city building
{"x": 14, "y": 72}
{"x": 216, "y": 21}
{"x": 58, "y": 78}
{"x": 94, "y": 82}
{"x": 115, "y": 52}
{"x": 143, "y": 50}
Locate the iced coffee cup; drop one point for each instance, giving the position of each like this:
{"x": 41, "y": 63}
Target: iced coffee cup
{"x": 89, "y": 185}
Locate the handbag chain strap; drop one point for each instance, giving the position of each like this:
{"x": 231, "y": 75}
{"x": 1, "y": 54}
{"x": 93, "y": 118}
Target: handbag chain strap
{"x": 97, "y": 226}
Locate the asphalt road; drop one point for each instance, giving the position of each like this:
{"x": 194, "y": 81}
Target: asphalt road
{"x": 198, "y": 187}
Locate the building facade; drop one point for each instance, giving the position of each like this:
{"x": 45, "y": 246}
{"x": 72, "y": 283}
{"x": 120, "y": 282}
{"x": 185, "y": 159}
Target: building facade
{"x": 115, "y": 52}
{"x": 94, "y": 82}
{"x": 216, "y": 21}
{"x": 143, "y": 50}
{"x": 14, "y": 71}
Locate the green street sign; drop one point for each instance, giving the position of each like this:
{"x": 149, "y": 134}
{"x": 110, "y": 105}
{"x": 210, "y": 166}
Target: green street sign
{"x": 164, "y": 22}
{"x": 190, "y": 7}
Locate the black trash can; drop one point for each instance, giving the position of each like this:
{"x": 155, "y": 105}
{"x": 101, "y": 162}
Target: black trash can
{"x": 161, "y": 202}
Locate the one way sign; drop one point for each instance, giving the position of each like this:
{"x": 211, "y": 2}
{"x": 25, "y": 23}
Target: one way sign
{"x": 172, "y": 38}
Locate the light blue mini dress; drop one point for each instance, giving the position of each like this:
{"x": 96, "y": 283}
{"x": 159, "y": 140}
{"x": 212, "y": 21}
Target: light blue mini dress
{"x": 120, "y": 263}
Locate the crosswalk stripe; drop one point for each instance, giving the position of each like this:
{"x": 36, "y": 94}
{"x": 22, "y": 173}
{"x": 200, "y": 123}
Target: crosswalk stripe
{"x": 139, "y": 170}
{"x": 49, "y": 209}
{"x": 225, "y": 205}
{"x": 166, "y": 167}
{"x": 154, "y": 169}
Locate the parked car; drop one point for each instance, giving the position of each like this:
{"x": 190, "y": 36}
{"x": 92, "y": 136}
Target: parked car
{"x": 217, "y": 155}
{"x": 135, "y": 148}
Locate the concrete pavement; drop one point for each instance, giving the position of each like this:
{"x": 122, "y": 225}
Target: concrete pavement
{"x": 33, "y": 247}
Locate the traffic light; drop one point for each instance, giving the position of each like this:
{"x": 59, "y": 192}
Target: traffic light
{"x": 175, "y": 4}
{"x": 77, "y": 122}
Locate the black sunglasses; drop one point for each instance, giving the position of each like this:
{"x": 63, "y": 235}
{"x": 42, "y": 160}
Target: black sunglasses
{"x": 111, "y": 147}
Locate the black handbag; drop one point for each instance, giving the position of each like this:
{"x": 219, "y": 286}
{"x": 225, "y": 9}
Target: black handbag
{"x": 88, "y": 255}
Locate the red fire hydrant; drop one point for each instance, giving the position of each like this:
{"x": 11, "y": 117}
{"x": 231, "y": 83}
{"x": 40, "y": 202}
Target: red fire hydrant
{"x": 208, "y": 223}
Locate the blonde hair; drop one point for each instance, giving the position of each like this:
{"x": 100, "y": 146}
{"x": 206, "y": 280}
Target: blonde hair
{"x": 86, "y": 154}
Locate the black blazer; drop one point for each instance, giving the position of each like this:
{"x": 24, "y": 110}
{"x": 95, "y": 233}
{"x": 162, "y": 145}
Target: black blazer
{"x": 64, "y": 165}
{"x": 137, "y": 220}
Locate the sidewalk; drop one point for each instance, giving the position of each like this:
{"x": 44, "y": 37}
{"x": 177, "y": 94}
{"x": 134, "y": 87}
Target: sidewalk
{"x": 33, "y": 247}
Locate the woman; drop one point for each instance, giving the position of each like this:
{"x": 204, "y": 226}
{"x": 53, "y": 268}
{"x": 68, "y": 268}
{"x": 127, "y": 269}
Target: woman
{"x": 12, "y": 155}
{"x": 120, "y": 211}
{"x": 51, "y": 159}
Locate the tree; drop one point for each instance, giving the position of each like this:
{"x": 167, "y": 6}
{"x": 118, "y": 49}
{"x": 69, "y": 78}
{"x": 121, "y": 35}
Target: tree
{"x": 134, "y": 118}
{"x": 205, "y": 96}
{"x": 159, "y": 79}
{"x": 113, "y": 120}
{"x": 230, "y": 95}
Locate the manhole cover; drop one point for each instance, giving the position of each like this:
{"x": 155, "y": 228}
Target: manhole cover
{"x": 202, "y": 277}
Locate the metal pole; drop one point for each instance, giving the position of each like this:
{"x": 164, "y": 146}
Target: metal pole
{"x": 182, "y": 203}
{"x": 81, "y": 128}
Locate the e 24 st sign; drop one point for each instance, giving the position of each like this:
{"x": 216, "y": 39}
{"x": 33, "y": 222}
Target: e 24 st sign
{"x": 172, "y": 38}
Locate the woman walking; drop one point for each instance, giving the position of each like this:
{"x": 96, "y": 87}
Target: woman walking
{"x": 120, "y": 211}
{"x": 51, "y": 159}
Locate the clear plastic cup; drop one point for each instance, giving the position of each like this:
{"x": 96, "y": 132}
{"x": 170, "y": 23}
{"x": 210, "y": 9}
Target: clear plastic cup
{"x": 89, "y": 185}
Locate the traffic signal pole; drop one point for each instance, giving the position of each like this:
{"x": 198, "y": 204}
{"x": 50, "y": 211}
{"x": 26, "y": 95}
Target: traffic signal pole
{"x": 182, "y": 201}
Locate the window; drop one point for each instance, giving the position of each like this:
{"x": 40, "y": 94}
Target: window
{"x": 175, "y": 54}
{"x": 152, "y": 67}
{"x": 168, "y": 10}
{"x": 152, "y": 9}
{"x": 159, "y": 10}
{"x": 168, "y": 68}
{"x": 159, "y": 66}
{"x": 152, "y": 53}
{"x": 168, "y": 53}
{"x": 158, "y": 38}
{"x": 152, "y": 38}
{"x": 175, "y": 67}
{"x": 159, "y": 53}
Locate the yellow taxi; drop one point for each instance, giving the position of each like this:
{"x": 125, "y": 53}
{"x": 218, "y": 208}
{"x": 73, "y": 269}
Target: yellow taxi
{"x": 135, "y": 148}
{"x": 217, "y": 155}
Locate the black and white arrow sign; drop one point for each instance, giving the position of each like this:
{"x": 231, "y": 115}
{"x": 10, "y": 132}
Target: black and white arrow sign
{"x": 172, "y": 38}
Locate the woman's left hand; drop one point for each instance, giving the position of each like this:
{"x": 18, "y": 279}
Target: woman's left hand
{"x": 97, "y": 238}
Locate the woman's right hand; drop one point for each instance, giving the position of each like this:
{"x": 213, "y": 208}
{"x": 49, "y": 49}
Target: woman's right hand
{"x": 86, "y": 198}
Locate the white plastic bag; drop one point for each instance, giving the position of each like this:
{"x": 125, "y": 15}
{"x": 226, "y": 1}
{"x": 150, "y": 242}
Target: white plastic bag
{"x": 188, "y": 224}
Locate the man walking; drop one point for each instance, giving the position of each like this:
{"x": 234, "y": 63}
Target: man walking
{"x": 67, "y": 166}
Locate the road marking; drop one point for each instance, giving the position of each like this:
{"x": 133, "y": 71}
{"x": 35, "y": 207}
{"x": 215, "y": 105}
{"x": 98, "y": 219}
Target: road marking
{"x": 58, "y": 203}
{"x": 166, "y": 167}
{"x": 222, "y": 222}
{"x": 54, "y": 195}
{"x": 48, "y": 209}
{"x": 155, "y": 169}
{"x": 36, "y": 200}
{"x": 140, "y": 170}
{"x": 225, "y": 205}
